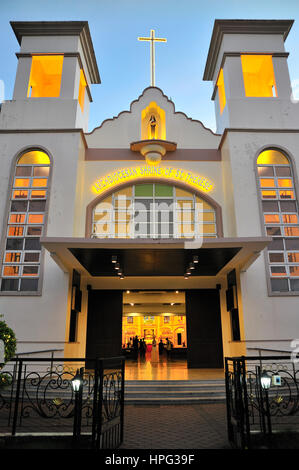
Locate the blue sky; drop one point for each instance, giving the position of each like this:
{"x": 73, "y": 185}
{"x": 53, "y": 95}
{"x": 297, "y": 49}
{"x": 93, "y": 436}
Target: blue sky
{"x": 124, "y": 62}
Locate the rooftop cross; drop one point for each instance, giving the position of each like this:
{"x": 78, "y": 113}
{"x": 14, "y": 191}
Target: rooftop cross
{"x": 152, "y": 39}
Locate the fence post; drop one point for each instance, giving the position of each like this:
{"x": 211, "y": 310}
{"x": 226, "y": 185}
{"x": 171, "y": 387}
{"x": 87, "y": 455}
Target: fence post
{"x": 80, "y": 395}
{"x": 15, "y": 417}
{"x": 100, "y": 405}
{"x": 239, "y": 402}
{"x": 12, "y": 389}
{"x": 246, "y": 408}
{"x": 268, "y": 414}
{"x": 260, "y": 400}
{"x": 228, "y": 402}
{"x": 122, "y": 400}
{"x": 51, "y": 365}
{"x": 95, "y": 402}
{"x": 78, "y": 409}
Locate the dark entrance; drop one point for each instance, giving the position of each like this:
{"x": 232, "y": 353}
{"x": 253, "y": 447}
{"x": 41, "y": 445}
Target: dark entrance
{"x": 104, "y": 321}
{"x": 204, "y": 329}
{"x": 204, "y": 335}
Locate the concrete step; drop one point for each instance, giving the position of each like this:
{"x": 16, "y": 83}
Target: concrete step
{"x": 174, "y": 391}
{"x": 175, "y": 400}
{"x": 171, "y": 388}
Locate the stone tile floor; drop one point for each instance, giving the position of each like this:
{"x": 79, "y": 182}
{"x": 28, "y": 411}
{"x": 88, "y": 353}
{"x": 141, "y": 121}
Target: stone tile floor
{"x": 151, "y": 426}
{"x": 175, "y": 427}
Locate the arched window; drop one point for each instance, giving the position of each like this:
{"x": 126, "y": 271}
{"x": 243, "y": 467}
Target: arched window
{"x": 26, "y": 219}
{"x": 153, "y": 211}
{"x": 280, "y": 213}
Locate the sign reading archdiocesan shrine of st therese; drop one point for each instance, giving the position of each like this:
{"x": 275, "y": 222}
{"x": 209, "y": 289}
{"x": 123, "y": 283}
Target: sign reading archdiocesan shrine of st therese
{"x": 163, "y": 173}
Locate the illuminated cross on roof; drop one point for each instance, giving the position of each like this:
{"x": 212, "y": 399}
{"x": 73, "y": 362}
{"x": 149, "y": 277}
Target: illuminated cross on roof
{"x": 153, "y": 39}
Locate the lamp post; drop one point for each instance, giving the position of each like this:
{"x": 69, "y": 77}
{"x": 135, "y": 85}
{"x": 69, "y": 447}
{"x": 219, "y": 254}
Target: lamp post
{"x": 77, "y": 386}
{"x": 265, "y": 379}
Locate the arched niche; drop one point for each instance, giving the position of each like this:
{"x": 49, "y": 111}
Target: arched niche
{"x": 153, "y": 122}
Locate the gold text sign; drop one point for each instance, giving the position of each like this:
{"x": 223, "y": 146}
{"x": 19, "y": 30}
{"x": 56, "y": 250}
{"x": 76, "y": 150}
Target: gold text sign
{"x": 141, "y": 173}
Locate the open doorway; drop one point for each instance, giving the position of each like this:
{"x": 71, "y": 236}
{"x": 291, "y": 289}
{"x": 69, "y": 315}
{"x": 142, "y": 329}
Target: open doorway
{"x": 154, "y": 329}
{"x": 189, "y": 319}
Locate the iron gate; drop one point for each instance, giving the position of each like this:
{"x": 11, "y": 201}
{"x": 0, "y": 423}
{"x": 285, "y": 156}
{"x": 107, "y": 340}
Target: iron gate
{"x": 37, "y": 396}
{"x": 257, "y": 416}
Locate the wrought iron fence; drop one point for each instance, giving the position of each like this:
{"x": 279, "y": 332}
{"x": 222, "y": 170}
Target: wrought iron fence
{"x": 255, "y": 412}
{"x": 37, "y": 396}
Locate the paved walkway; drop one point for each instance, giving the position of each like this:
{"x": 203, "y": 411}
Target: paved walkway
{"x": 175, "y": 427}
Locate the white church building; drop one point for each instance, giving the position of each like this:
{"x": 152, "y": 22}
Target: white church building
{"x": 151, "y": 224}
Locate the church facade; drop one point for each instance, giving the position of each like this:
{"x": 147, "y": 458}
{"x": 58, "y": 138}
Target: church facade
{"x": 151, "y": 224}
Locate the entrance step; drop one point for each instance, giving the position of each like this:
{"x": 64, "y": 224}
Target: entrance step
{"x": 174, "y": 391}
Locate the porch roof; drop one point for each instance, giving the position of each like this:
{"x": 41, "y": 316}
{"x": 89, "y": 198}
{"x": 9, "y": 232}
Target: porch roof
{"x": 153, "y": 257}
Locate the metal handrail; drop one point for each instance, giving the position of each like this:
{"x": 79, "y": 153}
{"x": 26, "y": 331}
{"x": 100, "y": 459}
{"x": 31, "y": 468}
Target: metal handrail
{"x": 68, "y": 359}
{"x": 257, "y": 358}
{"x": 37, "y": 352}
{"x": 270, "y": 350}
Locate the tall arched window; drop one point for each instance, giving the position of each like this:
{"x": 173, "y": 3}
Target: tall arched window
{"x": 26, "y": 219}
{"x": 280, "y": 213}
{"x": 153, "y": 211}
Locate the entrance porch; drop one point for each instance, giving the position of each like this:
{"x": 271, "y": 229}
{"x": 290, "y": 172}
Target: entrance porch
{"x": 212, "y": 317}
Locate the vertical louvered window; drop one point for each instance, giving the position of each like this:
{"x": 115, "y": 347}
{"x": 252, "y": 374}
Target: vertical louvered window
{"x": 25, "y": 225}
{"x": 280, "y": 217}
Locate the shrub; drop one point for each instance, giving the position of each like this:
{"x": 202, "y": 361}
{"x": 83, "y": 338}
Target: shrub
{"x": 10, "y": 343}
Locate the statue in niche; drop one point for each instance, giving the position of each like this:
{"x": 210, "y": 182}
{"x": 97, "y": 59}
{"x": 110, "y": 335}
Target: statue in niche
{"x": 153, "y": 124}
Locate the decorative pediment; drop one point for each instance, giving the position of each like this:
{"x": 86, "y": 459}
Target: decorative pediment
{"x": 152, "y": 115}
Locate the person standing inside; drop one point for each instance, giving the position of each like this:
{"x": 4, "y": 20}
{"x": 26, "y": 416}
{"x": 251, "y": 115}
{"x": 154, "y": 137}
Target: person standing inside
{"x": 154, "y": 354}
{"x": 168, "y": 348}
{"x": 135, "y": 347}
{"x": 142, "y": 348}
{"x": 161, "y": 347}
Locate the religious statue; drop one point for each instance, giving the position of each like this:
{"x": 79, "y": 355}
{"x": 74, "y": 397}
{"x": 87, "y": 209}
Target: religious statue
{"x": 153, "y": 124}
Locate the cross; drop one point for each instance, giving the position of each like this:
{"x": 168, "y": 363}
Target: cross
{"x": 152, "y": 39}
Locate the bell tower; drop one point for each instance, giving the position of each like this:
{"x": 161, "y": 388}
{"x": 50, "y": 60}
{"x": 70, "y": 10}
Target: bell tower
{"x": 56, "y": 66}
{"x": 247, "y": 64}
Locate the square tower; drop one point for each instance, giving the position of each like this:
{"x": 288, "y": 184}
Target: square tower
{"x": 247, "y": 64}
{"x": 56, "y": 65}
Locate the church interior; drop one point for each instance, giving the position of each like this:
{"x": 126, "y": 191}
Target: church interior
{"x": 155, "y": 314}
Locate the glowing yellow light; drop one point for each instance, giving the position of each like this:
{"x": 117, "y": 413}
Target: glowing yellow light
{"x": 272, "y": 157}
{"x": 45, "y": 76}
{"x": 148, "y": 130}
{"x": 170, "y": 174}
{"x": 82, "y": 87}
{"x": 35, "y": 157}
{"x": 258, "y": 75}
{"x": 221, "y": 91}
